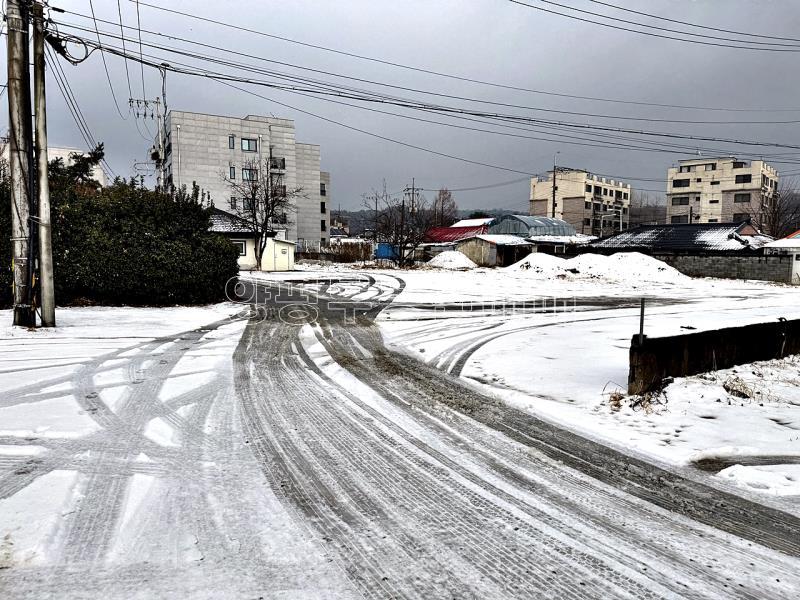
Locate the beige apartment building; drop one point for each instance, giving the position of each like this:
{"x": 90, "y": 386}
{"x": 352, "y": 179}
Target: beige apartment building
{"x": 719, "y": 190}
{"x": 217, "y": 152}
{"x": 592, "y": 204}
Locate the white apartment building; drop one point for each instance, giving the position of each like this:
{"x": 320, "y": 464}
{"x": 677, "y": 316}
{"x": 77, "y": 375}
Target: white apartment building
{"x": 215, "y": 151}
{"x": 591, "y": 204}
{"x": 719, "y": 190}
{"x": 65, "y": 153}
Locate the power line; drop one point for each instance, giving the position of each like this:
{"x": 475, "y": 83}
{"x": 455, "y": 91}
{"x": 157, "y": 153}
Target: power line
{"x": 122, "y": 37}
{"x": 406, "y": 88}
{"x": 105, "y": 66}
{"x": 74, "y": 108}
{"x": 647, "y": 33}
{"x": 139, "y": 29}
{"x": 450, "y": 75}
{"x": 667, "y": 29}
{"x": 708, "y": 27}
{"x": 367, "y": 96}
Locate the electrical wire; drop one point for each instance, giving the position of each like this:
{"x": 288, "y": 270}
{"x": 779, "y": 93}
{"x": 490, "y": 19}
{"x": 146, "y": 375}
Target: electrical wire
{"x": 374, "y": 97}
{"x": 450, "y": 75}
{"x": 105, "y": 66}
{"x": 417, "y": 90}
{"x": 648, "y": 33}
{"x": 708, "y": 27}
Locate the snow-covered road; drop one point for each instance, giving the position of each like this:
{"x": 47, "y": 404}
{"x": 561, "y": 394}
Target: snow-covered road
{"x": 296, "y": 457}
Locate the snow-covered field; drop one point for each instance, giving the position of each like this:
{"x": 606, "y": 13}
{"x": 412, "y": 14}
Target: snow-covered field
{"x": 552, "y": 336}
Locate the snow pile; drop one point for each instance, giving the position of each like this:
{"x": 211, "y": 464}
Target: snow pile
{"x": 623, "y": 266}
{"x": 545, "y": 266}
{"x": 451, "y": 259}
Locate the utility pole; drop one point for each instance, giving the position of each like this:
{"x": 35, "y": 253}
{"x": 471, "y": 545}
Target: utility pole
{"x": 553, "y": 211}
{"x": 19, "y": 121}
{"x": 46, "y": 284}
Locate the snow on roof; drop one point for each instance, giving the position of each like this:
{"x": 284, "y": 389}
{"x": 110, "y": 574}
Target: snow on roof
{"x": 578, "y": 239}
{"x": 500, "y": 239}
{"x": 716, "y": 237}
{"x": 223, "y": 222}
{"x": 473, "y": 222}
{"x": 787, "y": 242}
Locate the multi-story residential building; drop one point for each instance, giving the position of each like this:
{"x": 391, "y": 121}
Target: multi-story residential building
{"x": 719, "y": 190}
{"x": 216, "y": 152}
{"x": 66, "y": 154}
{"x": 591, "y": 204}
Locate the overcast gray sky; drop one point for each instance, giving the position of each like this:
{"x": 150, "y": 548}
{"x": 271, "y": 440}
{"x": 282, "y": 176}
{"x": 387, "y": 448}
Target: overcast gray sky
{"x": 492, "y": 40}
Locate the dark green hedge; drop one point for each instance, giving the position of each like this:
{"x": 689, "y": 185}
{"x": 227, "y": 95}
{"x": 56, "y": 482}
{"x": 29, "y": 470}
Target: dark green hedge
{"x": 125, "y": 244}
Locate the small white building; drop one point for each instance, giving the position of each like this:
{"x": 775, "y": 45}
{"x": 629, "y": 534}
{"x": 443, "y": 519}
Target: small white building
{"x": 278, "y": 254}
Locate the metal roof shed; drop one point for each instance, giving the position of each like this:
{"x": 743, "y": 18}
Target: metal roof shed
{"x": 527, "y": 226}
{"x": 489, "y": 250}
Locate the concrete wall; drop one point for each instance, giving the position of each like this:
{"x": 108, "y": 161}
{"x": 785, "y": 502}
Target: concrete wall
{"x": 762, "y": 268}
{"x": 681, "y": 355}
{"x": 481, "y": 252}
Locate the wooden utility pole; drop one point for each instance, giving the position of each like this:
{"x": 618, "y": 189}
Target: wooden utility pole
{"x": 46, "y": 285}
{"x": 19, "y": 122}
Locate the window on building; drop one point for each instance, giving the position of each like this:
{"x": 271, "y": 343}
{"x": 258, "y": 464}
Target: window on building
{"x": 679, "y": 219}
{"x": 624, "y": 195}
{"x": 231, "y": 142}
{"x": 713, "y": 220}
{"x": 249, "y": 145}
{"x": 739, "y": 164}
{"x": 698, "y": 180}
{"x": 715, "y": 183}
{"x": 745, "y": 197}
{"x": 711, "y": 167}
{"x": 247, "y": 204}
{"x": 279, "y": 191}
{"x": 588, "y": 188}
{"x": 323, "y": 225}
{"x": 680, "y": 183}
{"x": 232, "y": 172}
{"x": 624, "y": 210}
{"x": 234, "y": 203}
{"x": 323, "y": 190}
{"x": 241, "y": 246}
{"x": 684, "y": 169}
{"x": 589, "y": 222}
{"x": 277, "y": 163}
{"x": 740, "y": 217}
{"x": 249, "y": 174}
{"x": 597, "y": 191}
{"x": 618, "y": 194}
{"x": 714, "y": 201}
{"x": 322, "y": 207}
{"x": 680, "y": 201}
{"x": 605, "y": 191}
{"x": 598, "y": 206}
{"x": 587, "y": 205}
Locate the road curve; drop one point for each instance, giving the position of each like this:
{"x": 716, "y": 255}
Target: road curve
{"x": 417, "y": 486}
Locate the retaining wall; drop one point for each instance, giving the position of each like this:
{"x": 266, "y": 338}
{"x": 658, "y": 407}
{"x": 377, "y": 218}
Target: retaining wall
{"x": 762, "y": 268}
{"x": 677, "y": 356}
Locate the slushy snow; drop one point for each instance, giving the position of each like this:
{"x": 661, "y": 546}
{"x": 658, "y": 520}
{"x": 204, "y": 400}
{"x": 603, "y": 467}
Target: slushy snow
{"x": 451, "y": 259}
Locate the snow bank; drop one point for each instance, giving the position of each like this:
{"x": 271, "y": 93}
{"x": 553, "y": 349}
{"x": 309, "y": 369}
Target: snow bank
{"x": 451, "y": 259}
{"x": 623, "y": 266}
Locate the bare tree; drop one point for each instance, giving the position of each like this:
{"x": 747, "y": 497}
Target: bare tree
{"x": 402, "y": 221}
{"x": 445, "y": 208}
{"x": 779, "y": 215}
{"x": 646, "y": 209}
{"x": 261, "y": 200}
